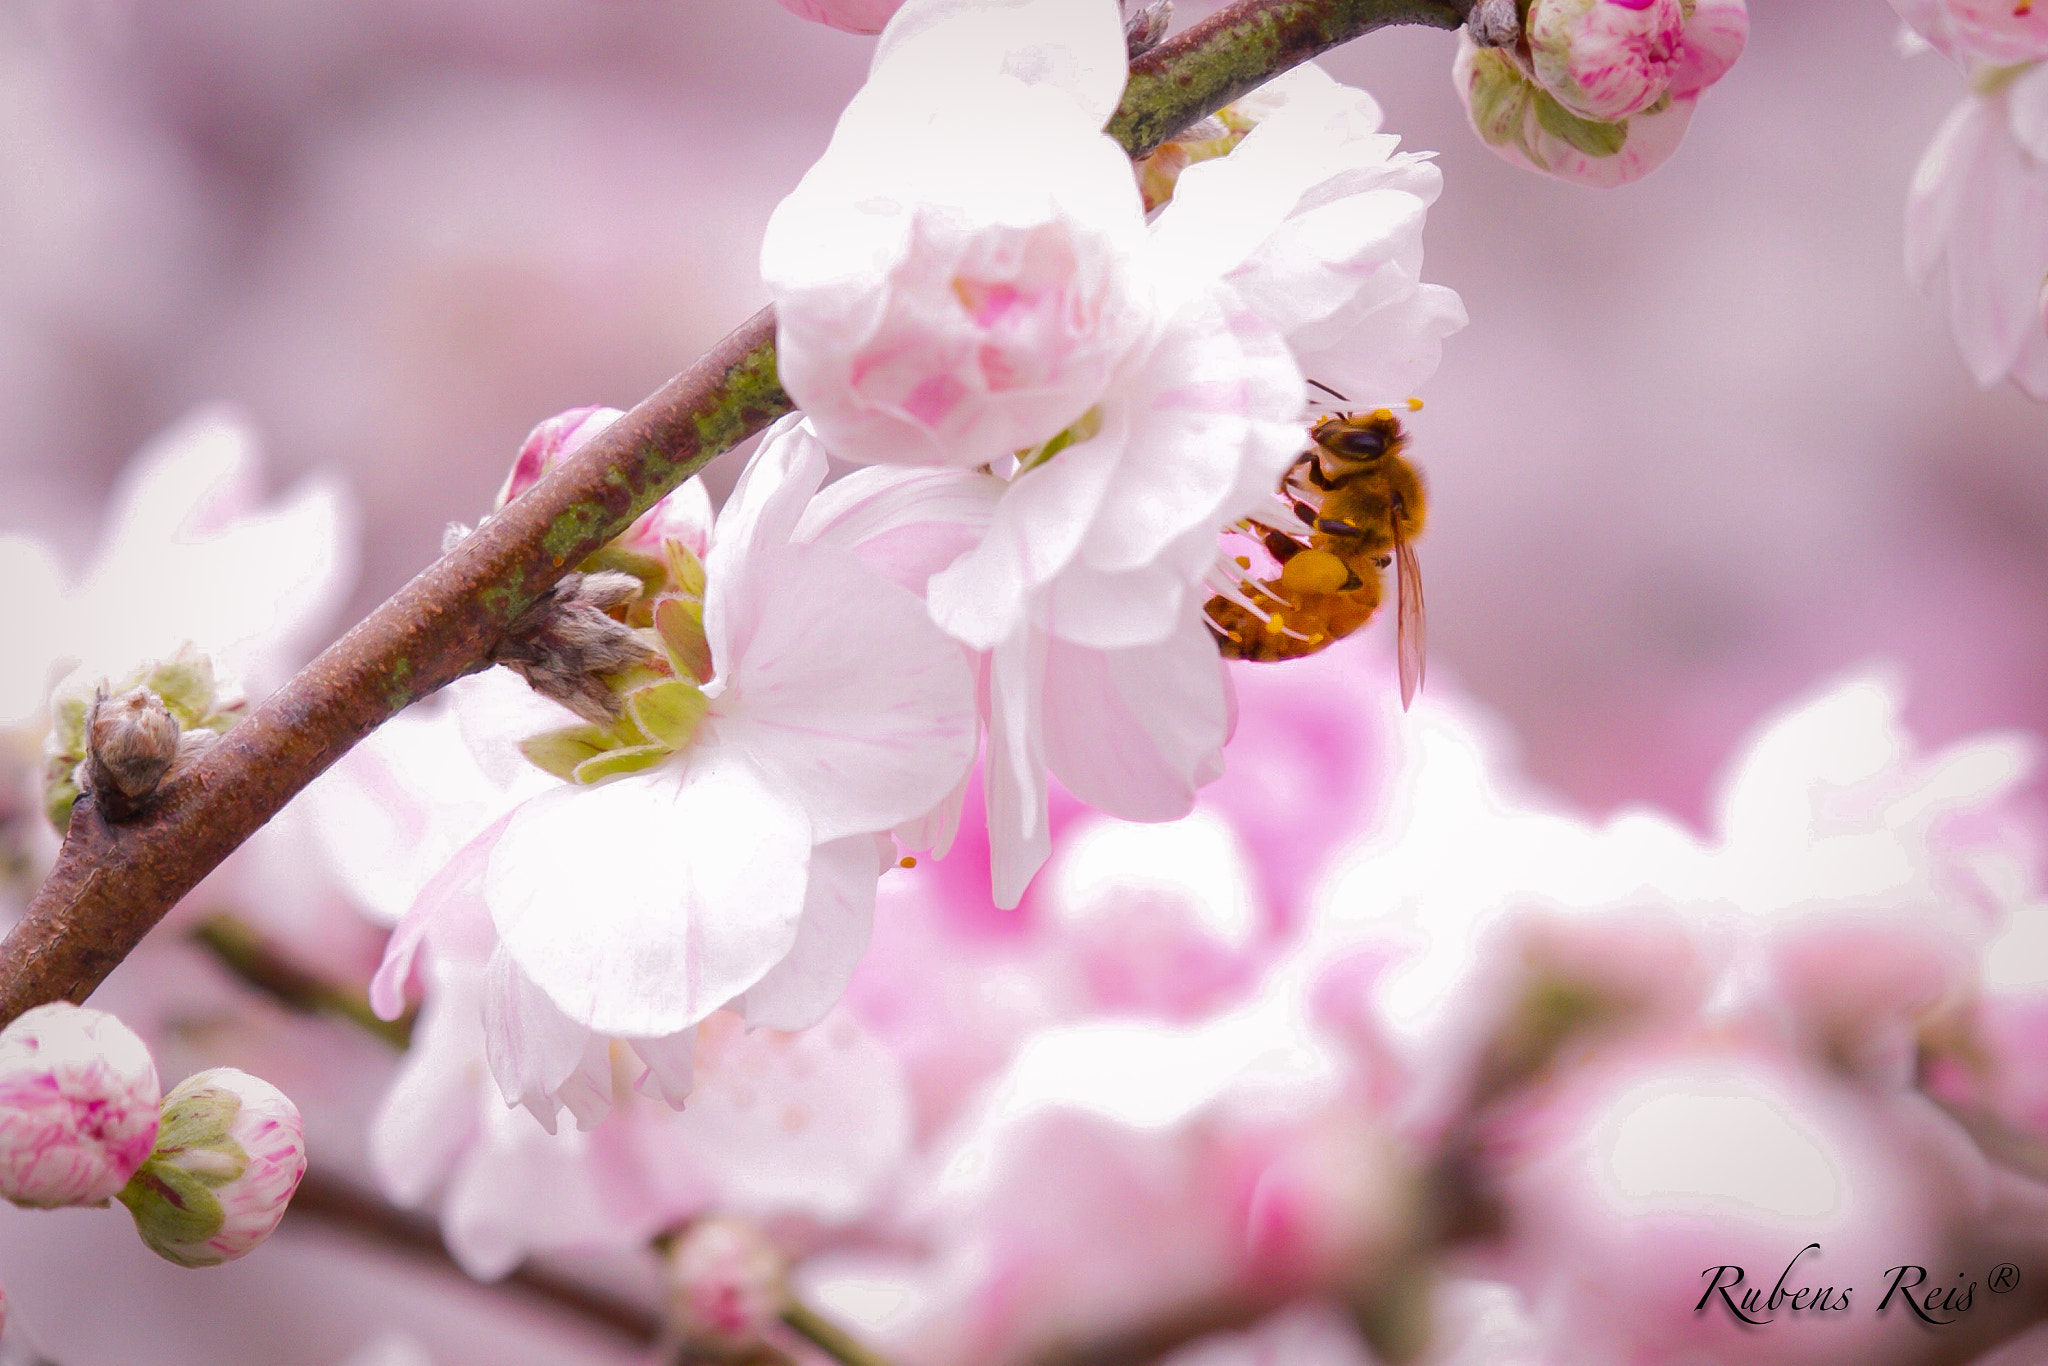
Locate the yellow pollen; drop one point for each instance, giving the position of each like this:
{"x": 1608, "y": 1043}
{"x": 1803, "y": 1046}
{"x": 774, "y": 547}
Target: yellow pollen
{"x": 1276, "y": 623}
{"x": 1244, "y": 562}
{"x": 1414, "y": 405}
{"x": 1383, "y": 414}
{"x": 906, "y": 862}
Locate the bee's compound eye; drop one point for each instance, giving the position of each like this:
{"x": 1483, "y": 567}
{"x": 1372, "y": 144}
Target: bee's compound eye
{"x": 1362, "y": 442}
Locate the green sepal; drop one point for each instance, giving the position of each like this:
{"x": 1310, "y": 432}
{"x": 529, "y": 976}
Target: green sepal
{"x": 560, "y": 751}
{"x": 668, "y": 711}
{"x": 1593, "y": 138}
{"x": 613, "y": 762}
{"x": 173, "y": 1209}
{"x": 685, "y": 570}
{"x": 613, "y": 557}
{"x": 186, "y": 684}
{"x": 1500, "y": 98}
{"x": 195, "y": 1129}
{"x": 680, "y": 624}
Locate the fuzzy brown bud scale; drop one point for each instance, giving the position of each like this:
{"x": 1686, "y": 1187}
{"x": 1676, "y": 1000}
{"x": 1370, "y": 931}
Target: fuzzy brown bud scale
{"x": 569, "y": 647}
{"x": 122, "y": 744}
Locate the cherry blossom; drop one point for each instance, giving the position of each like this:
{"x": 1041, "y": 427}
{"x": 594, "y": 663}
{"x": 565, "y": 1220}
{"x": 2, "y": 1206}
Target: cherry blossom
{"x": 738, "y": 868}
{"x": 1974, "y": 226}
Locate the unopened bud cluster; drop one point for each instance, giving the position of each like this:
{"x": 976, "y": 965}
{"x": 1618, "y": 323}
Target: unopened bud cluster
{"x": 207, "y": 1171}
{"x": 121, "y": 743}
{"x": 1594, "y": 91}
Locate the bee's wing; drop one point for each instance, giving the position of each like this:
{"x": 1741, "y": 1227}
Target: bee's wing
{"x": 1410, "y": 628}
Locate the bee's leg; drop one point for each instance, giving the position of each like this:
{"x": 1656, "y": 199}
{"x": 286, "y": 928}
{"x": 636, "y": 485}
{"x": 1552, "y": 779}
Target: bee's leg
{"x": 1282, "y": 547}
{"x": 1331, "y": 526}
{"x": 1306, "y": 513}
{"x": 1315, "y": 474}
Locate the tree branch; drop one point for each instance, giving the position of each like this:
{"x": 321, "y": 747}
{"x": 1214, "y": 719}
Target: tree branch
{"x": 113, "y": 882}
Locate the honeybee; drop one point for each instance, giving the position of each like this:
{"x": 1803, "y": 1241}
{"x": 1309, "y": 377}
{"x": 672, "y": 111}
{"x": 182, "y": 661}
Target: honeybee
{"x": 1349, "y": 507}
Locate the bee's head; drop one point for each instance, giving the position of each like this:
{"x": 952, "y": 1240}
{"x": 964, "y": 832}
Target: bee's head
{"x": 1358, "y": 439}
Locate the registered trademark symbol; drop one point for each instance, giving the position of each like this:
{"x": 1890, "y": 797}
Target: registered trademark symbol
{"x": 2005, "y": 1276}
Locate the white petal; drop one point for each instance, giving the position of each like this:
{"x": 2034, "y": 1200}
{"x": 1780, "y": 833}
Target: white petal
{"x": 984, "y": 596}
{"x": 1216, "y": 406}
{"x": 839, "y": 918}
{"x": 1019, "y": 828}
{"x": 1135, "y": 732}
{"x": 905, "y": 524}
{"x": 671, "y": 1065}
{"x": 429, "y": 1116}
{"x": 190, "y": 557}
{"x": 641, "y": 905}
{"x": 763, "y": 508}
{"x": 841, "y": 689}
{"x": 541, "y": 1058}
{"x": 1073, "y": 46}
{"x": 450, "y": 913}
{"x": 1388, "y": 353}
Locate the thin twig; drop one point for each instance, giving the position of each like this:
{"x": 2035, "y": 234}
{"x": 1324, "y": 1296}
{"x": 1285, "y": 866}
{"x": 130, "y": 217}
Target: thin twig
{"x": 366, "y": 1218}
{"x": 243, "y": 951}
{"x": 112, "y": 883}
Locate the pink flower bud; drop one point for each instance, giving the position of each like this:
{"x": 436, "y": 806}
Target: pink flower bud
{"x": 1525, "y": 123}
{"x": 684, "y": 516}
{"x": 725, "y": 1282}
{"x": 1605, "y": 59}
{"x": 550, "y": 442}
{"x": 78, "y": 1106}
{"x": 853, "y": 16}
{"x": 228, "y": 1156}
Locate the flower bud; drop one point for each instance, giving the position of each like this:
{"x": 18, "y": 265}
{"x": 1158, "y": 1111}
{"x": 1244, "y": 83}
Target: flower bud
{"x": 549, "y": 443}
{"x": 130, "y": 742}
{"x": 1527, "y": 125}
{"x": 725, "y": 1283}
{"x": 121, "y": 748}
{"x": 228, "y": 1156}
{"x": 78, "y": 1106}
{"x": 1605, "y": 59}
{"x": 852, "y": 16}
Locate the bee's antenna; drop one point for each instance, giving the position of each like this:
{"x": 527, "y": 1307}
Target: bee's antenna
{"x": 1328, "y": 390}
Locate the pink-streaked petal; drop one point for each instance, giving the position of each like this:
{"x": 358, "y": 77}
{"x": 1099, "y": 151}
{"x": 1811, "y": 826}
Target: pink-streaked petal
{"x": 643, "y": 904}
{"x": 671, "y": 1065}
{"x": 843, "y": 691}
{"x": 450, "y": 911}
{"x": 540, "y": 1058}
{"x": 1135, "y": 732}
{"x": 905, "y": 524}
{"x": 1019, "y": 829}
{"x": 984, "y": 596}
